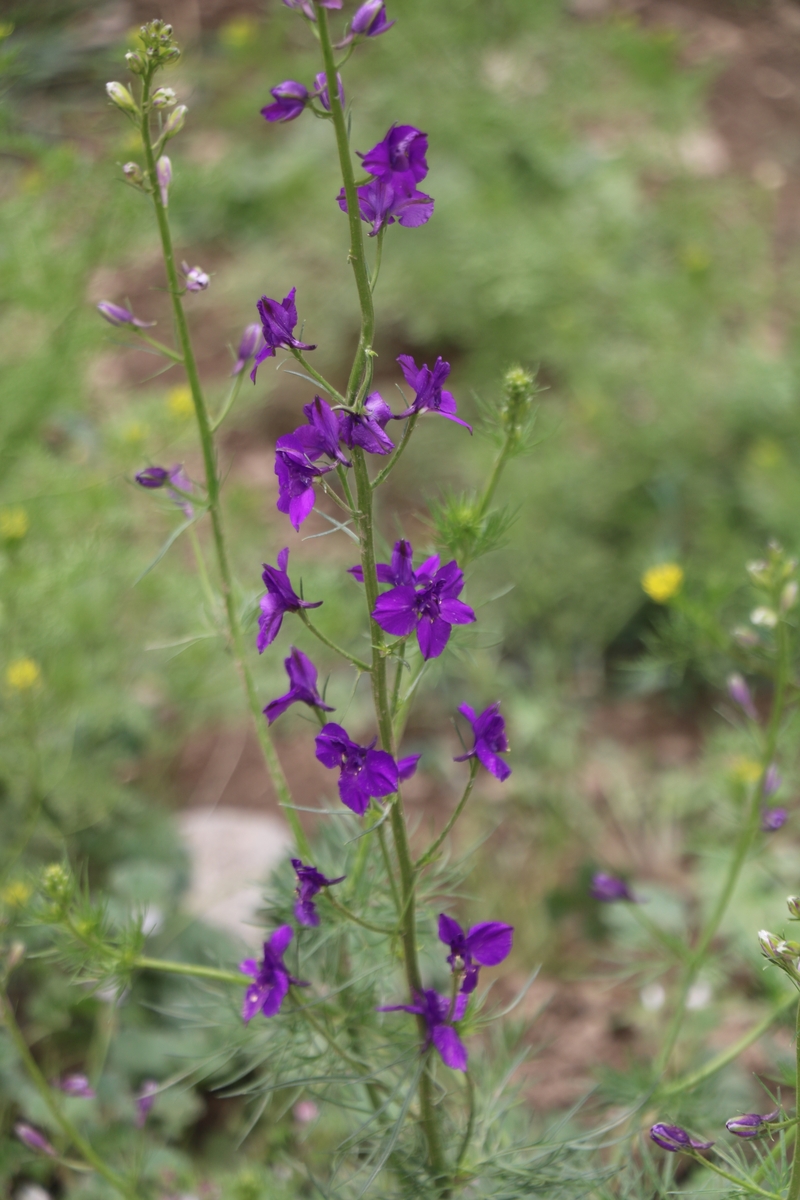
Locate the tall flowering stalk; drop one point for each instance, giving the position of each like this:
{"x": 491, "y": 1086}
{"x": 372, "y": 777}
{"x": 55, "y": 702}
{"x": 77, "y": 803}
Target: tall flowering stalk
{"x": 347, "y": 447}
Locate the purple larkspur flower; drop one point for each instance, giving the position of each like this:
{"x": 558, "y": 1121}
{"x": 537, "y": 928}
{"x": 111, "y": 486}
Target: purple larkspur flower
{"x": 773, "y": 819}
{"x": 429, "y": 395}
{"x": 367, "y": 428}
{"x": 370, "y": 20}
{"x": 382, "y": 202}
{"x": 310, "y": 881}
{"x": 164, "y": 178}
{"x": 399, "y": 571}
{"x": 115, "y": 314}
{"x": 152, "y": 477}
{"x": 432, "y": 610}
{"x": 609, "y": 888}
{"x": 435, "y": 1011}
{"x": 489, "y": 730}
{"x": 271, "y": 980}
{"x": 772, "y": 781}
{"x": 484, "y": 945}
{"x": 76, "y": 1085}
{"x": 364, "y": 772}
{"x": 278, "y": 320}
{"x": 675, "y": 1139}
{"x": 280, "y": 598}
{"x": 321, "y": 434}
{"x": 399, "y": 158}
{"x": 247, "y": 348}
{"x": 739, "y": 692}
{"x": 321, "y": 90}
{"x": 751, "y": 1125}
{"x": 34, "y": 1139}
{"x": 196, "y": 278}
{"x": 145, "y": 1101}
{"x": 303, "y": 680}
{"x": 158, "y": 477}
{"x": 290, "y": 99}
{"x": 296, "y": 474}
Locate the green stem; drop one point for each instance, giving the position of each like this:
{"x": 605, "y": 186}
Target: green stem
{"x": 351, "y": 916}
{"x": 431, "y": 851}
{"x": 161, "y": 348}
{"x": 497, "y": 471}
{"x": 673, "y": 944}
{"x": 45, "y": 1091}
{"x": 398, "y": 676}
{"x": 143, "y": 963}
{"x": 229, "y": 402}
{"x": 722, "y": 1059}
{"x": 200, "y": 562}
{"x": 358, "y": 663}
{"x": 236, "y": 640}
{"x": 376, "y": 270}
{"x": 739, "y": 1180}
{"x": 470, "y": 1122}
{"x": 404, "y": 440}
{"x": 794, "y": 1180}
{"x": 320, "y": 379}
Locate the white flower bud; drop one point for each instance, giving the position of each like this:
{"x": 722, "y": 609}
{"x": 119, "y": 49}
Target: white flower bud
{"x": 163, "y": 97}
{"x": 764, "y": 616}
{"x": 175, "y": 122}
{"x": 119, "y": 95}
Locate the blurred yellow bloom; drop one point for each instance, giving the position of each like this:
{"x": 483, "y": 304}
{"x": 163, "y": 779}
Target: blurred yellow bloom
{"x": 663, "y": 582}
{"x": 237, "y": 32}
{"x": 22, "y": 674}
{"x": 14, "y": 523}
{"x": 746, "y": 770}
{"x": 136, "y": 431}
{"x": 15, "y": 894}
{"x": 179, "y": 401}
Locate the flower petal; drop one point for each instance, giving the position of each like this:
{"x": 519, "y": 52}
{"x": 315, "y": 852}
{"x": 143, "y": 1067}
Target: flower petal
{"x": 450, "y": 1047}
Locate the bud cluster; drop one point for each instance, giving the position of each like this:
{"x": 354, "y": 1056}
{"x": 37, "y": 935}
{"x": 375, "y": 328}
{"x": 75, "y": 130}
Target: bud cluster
{"x": 780, "y": 952}
{"x": 519, "y": 387}
{"x": 159, "y": 47}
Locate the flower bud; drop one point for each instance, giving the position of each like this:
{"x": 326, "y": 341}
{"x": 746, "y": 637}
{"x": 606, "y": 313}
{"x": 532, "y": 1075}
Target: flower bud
{"x": 119, "y": 95}
{"x": 247, "y": 348}
{"x": 196, "y": 279}
{"x": 767, "y": 617}
{"x": 747, "y": 638}
{"x": 152, "y": 477}
{"x": 34, "y": 1139}
{"x": 135, "y": 62}
{"x": 609, "y": 888}
{"x": 789, "y": 596}
{"x": 773, "y": 819}
{"x": 76, "y": 1084}
{"x": 56, "y": 882}
{"x": 772, "y": 780}
{"x": 163, "y": 97}
{"x": 750, "y": 1125}
{"x": 793, "y": 904}
{"x": 519, "y": 387}
{"x": 675, "y": 1139}
{"x": 739, "y": 692}
{"x": 115, "y": 314}
{"x": 133, "y": 173}
{"x": 175, "y": 122}
{"x": 164, "y": 178}
{"x": 776, "y": 949}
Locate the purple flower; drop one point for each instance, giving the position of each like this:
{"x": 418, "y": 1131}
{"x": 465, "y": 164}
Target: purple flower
{"x": 489, "y": 730}
{"x": 196, "y": 278}
{"x": 609, "y": 888}
{"x": 280, "y": 598}
{"x": 675, "y": 1139}
{"x": 157, "y": 477}
{"x": 435, "y": 1011}
{"x": 145, "y": 1101}
{"x": 115, "y": 314}
{"x": 291, "y": 98}
{"x": 429, "y": 395}
{"x": 367, "y": 428}
{"x": 772, "y": 781}
{"x": 370, "y": 20}
{"x": 321, "y": 434}
{"x": 164, "y": 178}
{"x": 773, "y": 819}
{"x": 76, "y": 1085}
{"x": 278, "y": 320}
{"x": 271, "y": 979}
{"x": 309, "y": 882}
{"x": 400, "y": 572}
{"x": 247, "y": 348}
{"x": 432, "y": 610}
{"x": 321, "y": 90}
{"x": 34, "y": 1139}
{"x": 739, "y": 692}
{"x": 381, "y": 203}
{"x": 399, "y": 159}
{"x": 296, "y": 474}
{"x": 485, "y": 945}
{"x": 750, "y": 1125}
{"x": 363, "y": 771}
{"x": 152, "y": 477}
{"x": 307, "y": 8}
{"x": 303, "y": 679}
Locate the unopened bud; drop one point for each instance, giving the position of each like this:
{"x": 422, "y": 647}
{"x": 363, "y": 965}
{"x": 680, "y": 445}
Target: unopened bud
{"x": 770, "y": 943}
{"x": 163, "y": 97}
{"x": 133, "y": 173}
{"x": 135, "y": 62}
{"x": 119, "y": 95}
{"x": 196, "y": 278}
{"x": 56, "y": 882}
{"x": 164, "y": 177}
{"x": 789, "y": 596}
{"x": 519, "y": 387}
{"x": 767, "y": 617}
{"x": 175, "y": 122}
{"x": 739, "y": 692}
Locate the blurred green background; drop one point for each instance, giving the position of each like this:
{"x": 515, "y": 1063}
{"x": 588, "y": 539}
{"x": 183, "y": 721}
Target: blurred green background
{"x": 616, "y": 193}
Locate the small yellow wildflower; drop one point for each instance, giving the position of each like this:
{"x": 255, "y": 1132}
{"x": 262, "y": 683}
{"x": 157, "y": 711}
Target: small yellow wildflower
{"x": 746, "y": 770}
{"x": 15, "y": 894}
{"x": 663, "y": 582}
{"x": 22, "y": 674}
{"x": 135, "y": 432}
{"x": 238, "y": 32}
{"x": 14, "y": 523}
{"x": 179, "y": 401}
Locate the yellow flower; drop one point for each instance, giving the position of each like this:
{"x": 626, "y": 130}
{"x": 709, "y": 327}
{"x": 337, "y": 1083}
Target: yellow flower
{"x": 663, "y": 582}
{"x": 238, "y": 32}
{"x": 746, "y": 770}
{"x": 14, "y": 895}
{"x": 179, "y": 401}
{"x": 22, "y": 674}
{"x": 14, "y": 523}
{"x": 136, "y": 431}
